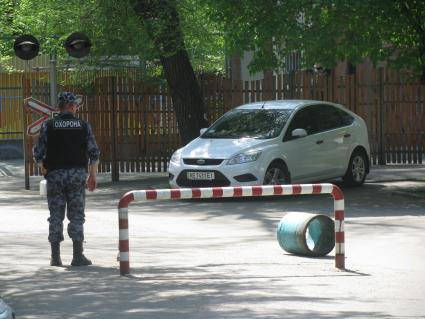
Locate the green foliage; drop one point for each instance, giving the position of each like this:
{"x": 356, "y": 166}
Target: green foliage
{"x": 325, "y": 31}
{"x": 113, "y": 27}
{"x": 203, "y": 36}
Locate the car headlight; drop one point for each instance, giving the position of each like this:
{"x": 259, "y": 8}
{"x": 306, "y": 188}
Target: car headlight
{"x": 176, "y": 157}
{"x": 244, "y": 158}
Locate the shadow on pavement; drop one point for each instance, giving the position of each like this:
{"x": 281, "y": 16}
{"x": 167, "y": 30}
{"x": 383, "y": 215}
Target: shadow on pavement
{"x": 158, "y": 292}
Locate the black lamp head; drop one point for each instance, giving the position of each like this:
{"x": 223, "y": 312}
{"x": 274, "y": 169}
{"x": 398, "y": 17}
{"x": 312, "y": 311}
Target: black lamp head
{"x": 77, "y": 45}
{"x": 26, "y": 47}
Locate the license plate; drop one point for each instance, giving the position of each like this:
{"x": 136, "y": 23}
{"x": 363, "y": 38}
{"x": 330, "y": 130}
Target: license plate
{"x": 200, "y": 175}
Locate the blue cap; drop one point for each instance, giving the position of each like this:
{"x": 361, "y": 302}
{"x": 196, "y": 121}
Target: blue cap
{"x": 67, "y": 97}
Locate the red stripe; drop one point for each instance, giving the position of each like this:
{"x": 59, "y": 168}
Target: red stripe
{"x": 340, "y": 261}
{"x": 339, "y": 236}
{"x": 217, "y": 192}
{"x": 337, "y": 193}
{"x": 296, "y": 189}
{"x": 151, "y": 194}
{"x": 196, "y": 193}
{"x": 124, "y": 267}
{"x": 124, "y": 246}
{"x": 125, "y": 200}
{"x": 317, "y": 188}
{"x": 277, "y": 190}
{"x": 237, "y": 191}
{"x": 123, "y": 223}
{"x": 339, "y": 215}
{"x": 175, "y": 193}
{"x": 257, "y": 190}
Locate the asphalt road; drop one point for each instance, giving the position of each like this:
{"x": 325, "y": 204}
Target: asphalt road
{"x": 217, "y": 258}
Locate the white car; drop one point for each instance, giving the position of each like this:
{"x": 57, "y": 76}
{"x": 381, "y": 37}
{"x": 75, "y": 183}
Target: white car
{"x": 275, "y": 142}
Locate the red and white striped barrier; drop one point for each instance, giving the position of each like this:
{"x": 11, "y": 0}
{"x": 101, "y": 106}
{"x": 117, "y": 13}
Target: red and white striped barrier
{"x": 221, "y": 192}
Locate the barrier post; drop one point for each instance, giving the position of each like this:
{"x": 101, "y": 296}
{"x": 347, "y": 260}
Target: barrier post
{"x": 124, "y": 247}
{"x": 222, "y": 192}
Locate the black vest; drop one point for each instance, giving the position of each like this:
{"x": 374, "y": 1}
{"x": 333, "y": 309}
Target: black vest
{"x": 66, "y": 142}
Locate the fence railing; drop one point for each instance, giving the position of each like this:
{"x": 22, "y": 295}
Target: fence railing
{"x": 136, "y": 128}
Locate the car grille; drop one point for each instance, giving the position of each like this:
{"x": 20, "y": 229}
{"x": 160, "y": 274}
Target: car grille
{"x": 202, "y": 161}
{"x": 219, "y": 180}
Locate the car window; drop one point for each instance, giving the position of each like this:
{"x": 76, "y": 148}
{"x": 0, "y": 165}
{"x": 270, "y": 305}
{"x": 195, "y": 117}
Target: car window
{"x": 328, "y": 117}
{"x": 253, "y": 123}
{"x": 347, "y": 119}
{"x": 302, "y": 119}
{"x": 318, "y": 118}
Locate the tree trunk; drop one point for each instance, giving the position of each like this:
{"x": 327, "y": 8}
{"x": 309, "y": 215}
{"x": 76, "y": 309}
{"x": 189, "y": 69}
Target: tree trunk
{"x": 160, "y": 17}
{"x": 186, "y": 95}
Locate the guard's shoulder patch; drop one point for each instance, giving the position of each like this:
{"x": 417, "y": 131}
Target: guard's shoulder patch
{"x": 67, "y": 124}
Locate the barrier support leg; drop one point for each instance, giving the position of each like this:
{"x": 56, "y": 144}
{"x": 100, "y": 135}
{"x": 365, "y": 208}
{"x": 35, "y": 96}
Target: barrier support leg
{"x": 124, "y": 246}
{"x": 339, "y": 227}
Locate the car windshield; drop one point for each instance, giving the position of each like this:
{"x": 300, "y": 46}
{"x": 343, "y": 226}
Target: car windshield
{"x": 251, "y": 123}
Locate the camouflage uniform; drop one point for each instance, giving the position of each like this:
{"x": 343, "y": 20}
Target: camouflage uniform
{"x": 66, "y": 187}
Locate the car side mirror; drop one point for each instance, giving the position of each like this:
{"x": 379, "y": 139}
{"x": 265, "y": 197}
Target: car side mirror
{"x": 203, "y": 130}
{"x": 299, "y": 132}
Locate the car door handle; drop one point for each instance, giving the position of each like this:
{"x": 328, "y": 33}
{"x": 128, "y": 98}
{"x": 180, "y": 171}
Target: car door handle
{"x": 347, "y": 135}
{"x": 319, "y": 142}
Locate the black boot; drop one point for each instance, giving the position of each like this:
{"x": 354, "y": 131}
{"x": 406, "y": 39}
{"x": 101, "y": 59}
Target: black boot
{"x": 79, "y": 259}
{"x": 55, "y": 260}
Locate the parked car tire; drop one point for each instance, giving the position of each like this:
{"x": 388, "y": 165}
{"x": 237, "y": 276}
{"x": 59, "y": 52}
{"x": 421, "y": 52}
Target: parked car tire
{"x": 277, "y": 173}
{"x": 357, "y": 169}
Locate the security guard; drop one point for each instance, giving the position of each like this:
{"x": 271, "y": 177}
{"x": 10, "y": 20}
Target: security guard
{"x": 65, "y": 147}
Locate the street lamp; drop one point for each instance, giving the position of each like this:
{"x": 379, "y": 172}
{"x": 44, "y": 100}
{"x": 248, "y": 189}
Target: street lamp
{"x": 77, "y": 45}
{"x": 26, "y": 47}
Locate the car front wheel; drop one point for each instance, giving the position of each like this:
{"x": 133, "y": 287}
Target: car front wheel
{"x": 357, "y": 170}
{"x": 276, "y": 174}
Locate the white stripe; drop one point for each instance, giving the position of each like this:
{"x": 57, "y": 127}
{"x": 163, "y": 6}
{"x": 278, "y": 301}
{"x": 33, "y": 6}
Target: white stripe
{"x": 327, "y": 188}
{"x": 268, "y": 190}
{"x": 124, "y": 256}
{"x": 123, "y": 213}
{"x": 139, "y": 195}
{"x": 306, "y": 188}
{"x": 163, "y": 193}
{"x": 206, "y": 192}
{"x": 41, "y": 108}
{"x": 186, "y": 193}
{"x": 287, "y": 190}
{"x": 339, "y": 204}
{"x": 123, "y": 234}
{"x": 35, "y": 129}
{"x": 339, "y": 225}
{"x": 228, "y": 191}
{"x": 339, "y": 248}
{"x": 246, "y": 191}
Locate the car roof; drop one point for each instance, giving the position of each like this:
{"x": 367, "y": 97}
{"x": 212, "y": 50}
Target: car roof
{"x": 281, "y": 104}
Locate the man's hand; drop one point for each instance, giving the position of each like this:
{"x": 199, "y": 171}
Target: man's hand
{"x": 91, "y": 183}
{"x": 43, "y": 170}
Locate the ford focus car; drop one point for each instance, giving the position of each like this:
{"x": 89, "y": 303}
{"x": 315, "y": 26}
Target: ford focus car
{"x": 275, "y": 142}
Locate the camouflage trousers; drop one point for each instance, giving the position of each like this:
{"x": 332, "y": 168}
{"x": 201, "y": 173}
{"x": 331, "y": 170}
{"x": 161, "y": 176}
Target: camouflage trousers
{"x": 66, "y": 190}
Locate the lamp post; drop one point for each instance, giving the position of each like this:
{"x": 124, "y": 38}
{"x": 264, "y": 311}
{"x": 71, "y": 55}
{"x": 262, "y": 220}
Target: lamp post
{"x": 53, "y": 79}
{"x": 26, "y": 47}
